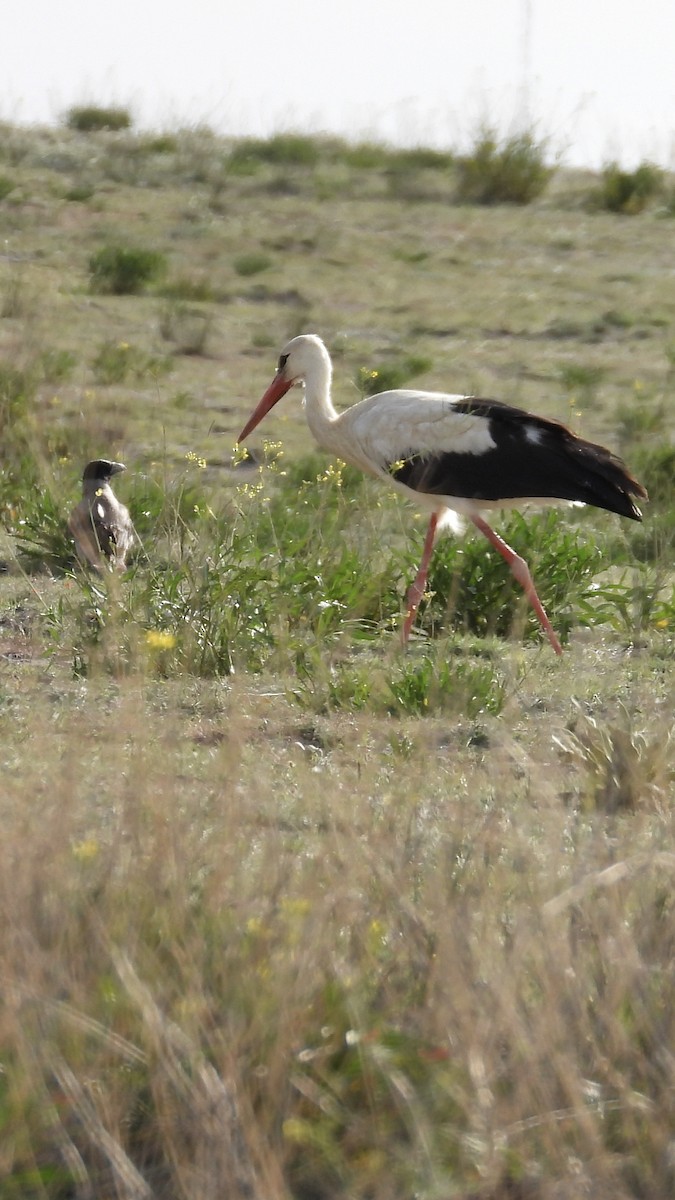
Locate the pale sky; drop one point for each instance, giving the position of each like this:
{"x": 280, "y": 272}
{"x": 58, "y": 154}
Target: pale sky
{"x": 596, "y": 76}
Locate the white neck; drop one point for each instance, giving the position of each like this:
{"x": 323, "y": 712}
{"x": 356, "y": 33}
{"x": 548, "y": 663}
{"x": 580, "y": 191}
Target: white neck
{"x": 319, "y": 410}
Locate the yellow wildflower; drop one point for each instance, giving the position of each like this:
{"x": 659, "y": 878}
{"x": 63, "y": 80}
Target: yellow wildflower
{"x": 160, "y": 639}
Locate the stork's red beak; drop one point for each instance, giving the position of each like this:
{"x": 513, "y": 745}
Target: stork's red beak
{"x": 278, "y": 388}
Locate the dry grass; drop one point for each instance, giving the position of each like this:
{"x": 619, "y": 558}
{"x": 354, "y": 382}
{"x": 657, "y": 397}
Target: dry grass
{"x": 257, "y": 943}
{"x": 239, "y": 951}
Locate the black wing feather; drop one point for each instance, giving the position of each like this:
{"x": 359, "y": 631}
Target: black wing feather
{"x": 532, "y": 457}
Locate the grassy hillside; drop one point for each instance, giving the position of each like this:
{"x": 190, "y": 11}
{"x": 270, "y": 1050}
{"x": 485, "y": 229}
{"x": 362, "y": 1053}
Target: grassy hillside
{"x": 286, "y": 912}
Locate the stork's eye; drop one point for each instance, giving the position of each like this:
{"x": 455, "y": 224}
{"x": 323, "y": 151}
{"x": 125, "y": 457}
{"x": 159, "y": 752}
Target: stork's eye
{"x": 283, "y": 359}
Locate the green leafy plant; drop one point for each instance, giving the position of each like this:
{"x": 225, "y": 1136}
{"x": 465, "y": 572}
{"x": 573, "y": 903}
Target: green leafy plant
{"x": 512, "y": 171}
{"x": 123, "y": 270}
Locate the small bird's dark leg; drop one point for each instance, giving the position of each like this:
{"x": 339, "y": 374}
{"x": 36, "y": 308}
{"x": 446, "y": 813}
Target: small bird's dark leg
{"x": 521, "y": 572}
{"x": 417, "y": 588}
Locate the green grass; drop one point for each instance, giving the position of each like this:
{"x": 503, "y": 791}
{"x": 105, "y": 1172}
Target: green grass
{"x": 117, "y": 362}
{"x": 287, "y": 912}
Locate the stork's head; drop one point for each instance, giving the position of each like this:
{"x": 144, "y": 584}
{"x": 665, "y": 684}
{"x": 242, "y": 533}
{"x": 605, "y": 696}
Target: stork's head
{"x": 299, "y": 359}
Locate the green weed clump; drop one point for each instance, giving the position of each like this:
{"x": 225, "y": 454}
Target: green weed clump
{"x": 91, "y": 118}
{"x": 123, "y": 270}
{"x": 513, "y": 171}
{"x": 627, "y": 192}
{"x": 41, "y": 533}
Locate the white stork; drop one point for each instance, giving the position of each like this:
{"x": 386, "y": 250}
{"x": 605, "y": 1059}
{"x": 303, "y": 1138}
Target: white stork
{"x": 456, "y": 455}
{"x": 100, "y": 525}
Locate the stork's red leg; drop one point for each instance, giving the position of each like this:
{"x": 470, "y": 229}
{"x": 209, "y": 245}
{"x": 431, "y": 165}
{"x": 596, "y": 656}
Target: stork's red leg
{"x": 417, "y": 588}
{"x": 521, "y": 572}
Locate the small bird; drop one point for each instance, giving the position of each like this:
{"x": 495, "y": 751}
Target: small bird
{"x": 99, "y": 525}
{"x": 457, "y": 455}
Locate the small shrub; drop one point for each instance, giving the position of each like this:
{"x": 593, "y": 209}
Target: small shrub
{"x": 252, "y": 264}
{"x": 392, "y": 375}
{"x": 120, "y": 270}
{"x": 627, "y": 192}
{"x": 511, "y": 172}
{"x": 90, "y": 118}
{"x": 7, "y": 185}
